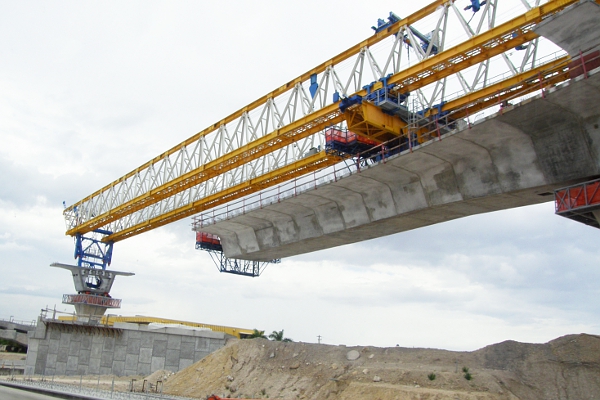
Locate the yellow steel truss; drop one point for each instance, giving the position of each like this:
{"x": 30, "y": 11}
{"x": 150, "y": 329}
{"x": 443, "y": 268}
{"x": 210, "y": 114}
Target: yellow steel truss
{"x": 299, "y": 168}
{"x": 418, "y": 15}
{"x": 527, "y": 82}
{"x": 285, "y": 136}
{"x": 366, "y": 121}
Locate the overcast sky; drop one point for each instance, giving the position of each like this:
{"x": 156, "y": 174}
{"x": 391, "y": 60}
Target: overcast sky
{"x": 91, "y": 90}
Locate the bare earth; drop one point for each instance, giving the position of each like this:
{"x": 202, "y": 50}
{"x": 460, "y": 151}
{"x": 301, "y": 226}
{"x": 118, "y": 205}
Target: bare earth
{"x": 564, "y": 368}
{"x": 12, "y": 357}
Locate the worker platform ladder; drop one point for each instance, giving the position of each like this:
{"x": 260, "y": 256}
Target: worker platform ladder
{"x": 580, "y": 202}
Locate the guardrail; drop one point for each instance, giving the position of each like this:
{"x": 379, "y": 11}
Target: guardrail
{"x": 11, "y": 320}
{"x": 91, "y": 299}
{"x": 429, "y": 128}
{"x": 53, "y": 315}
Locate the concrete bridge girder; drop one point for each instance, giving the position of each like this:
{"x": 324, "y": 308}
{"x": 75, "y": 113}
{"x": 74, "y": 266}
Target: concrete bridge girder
{"x": 14, "y": 336}
{"x": 508, "y": 160}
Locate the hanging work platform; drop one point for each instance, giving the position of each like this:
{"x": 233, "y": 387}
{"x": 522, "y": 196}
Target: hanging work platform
{"x": 580, "y": 202}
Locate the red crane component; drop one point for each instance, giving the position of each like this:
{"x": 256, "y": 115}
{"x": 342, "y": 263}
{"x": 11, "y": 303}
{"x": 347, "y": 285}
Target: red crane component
{"x": 346, "y": 137}
{"x": 580, "y": 202}
{"x": 207, "y": 238}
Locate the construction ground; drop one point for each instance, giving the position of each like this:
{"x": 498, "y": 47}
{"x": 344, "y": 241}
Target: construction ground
{"x": 565, "y": 368}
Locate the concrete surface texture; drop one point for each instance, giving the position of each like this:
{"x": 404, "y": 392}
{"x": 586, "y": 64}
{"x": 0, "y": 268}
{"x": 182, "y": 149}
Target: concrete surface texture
{"x": 57, "y": 348}
{"x": 511, "y": 159}
{"x": 575, "y": 29}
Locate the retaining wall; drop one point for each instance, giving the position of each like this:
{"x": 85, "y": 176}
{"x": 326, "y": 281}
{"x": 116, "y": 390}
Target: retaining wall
{"x": 65, "y": 348}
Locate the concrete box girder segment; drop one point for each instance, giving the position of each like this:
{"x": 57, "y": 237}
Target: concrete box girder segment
{"x": 575, "y": 29}
{"x": 508, "y": 160}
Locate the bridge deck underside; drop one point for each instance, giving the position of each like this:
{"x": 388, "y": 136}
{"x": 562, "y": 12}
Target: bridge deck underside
{"x": 507, "y": 160}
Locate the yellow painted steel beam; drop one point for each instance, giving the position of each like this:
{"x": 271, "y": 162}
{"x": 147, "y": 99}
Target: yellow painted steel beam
{"x": 370, "y": 121}
{"x": 475, "y": 50}
{"x": 516, "y": 91}
{"x": 418, "y": 15}
{"x": 282, "y": 137}
{"x": 550, "y": 73}
{"x": 299, "y": 168}
{"x": 367, "y": 120}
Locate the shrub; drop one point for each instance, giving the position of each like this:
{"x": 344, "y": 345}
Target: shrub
{"x": 431, "y": 376}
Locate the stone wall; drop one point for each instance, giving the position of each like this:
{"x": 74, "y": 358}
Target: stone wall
{"x": 64, "y": 348}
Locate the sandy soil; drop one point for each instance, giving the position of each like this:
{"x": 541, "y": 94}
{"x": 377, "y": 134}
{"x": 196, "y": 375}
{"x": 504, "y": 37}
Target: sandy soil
{"x": 12, "y": 356}
{"x": 565, "y": 368}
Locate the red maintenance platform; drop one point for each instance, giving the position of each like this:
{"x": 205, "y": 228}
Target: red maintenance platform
{"x": 580, "y": 202}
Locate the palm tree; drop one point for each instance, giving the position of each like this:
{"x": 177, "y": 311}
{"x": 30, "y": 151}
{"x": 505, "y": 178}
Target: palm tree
{"x": 257, "y": 334}
{"x": 278, "y": 336}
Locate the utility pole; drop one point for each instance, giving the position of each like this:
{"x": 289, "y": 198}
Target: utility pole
{"x": 319, "y": 338}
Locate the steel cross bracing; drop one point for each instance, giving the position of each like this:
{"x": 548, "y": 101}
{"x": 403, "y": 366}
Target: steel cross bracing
{"x": 265, "y": 142}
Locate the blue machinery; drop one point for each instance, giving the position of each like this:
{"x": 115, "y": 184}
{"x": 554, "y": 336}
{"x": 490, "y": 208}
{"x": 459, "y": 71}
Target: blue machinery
{"x": 91, "y": 251}
{"x": 426, "y": 40}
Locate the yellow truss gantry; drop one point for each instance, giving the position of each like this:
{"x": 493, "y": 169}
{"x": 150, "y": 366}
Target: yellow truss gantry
{"x": 366, "y": 119}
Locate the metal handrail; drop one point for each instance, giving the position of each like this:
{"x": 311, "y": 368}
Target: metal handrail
{"x": 333, "y": 174}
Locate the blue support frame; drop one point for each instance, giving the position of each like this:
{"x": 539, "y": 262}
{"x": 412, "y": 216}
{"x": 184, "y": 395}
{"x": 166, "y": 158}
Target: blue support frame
{"x": 91, "y": 251}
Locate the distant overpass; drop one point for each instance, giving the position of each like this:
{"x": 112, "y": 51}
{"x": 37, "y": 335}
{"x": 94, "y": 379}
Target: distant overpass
{"x": 16, "y": 332}
{"x": 514, "y": 158}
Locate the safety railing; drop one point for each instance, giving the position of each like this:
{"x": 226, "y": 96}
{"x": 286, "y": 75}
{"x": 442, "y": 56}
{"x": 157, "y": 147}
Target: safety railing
{"x": 11, "y": 320}
{"x": 50, "y": 315}
{"x": 89, "y": 387}
{"x": 91, "y": 299}
{"x": 421, "y": 131}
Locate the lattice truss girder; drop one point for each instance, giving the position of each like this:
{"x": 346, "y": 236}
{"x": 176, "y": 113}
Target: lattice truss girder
{"x": 282, "y": 127}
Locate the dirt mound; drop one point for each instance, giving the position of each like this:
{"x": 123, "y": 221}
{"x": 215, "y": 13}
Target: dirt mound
{"x": 160, "y": 375}
{"x": 568, "y": 367}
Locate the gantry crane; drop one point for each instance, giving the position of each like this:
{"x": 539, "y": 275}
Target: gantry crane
{"x": 387, "y": 94}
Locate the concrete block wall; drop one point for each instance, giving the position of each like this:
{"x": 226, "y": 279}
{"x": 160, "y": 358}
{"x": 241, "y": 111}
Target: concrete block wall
{"x": 58, "y": 348}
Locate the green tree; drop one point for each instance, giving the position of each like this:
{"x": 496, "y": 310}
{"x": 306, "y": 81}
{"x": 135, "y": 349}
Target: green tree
{"x": 278, "y": 337}
{"x": 257, "y": 334}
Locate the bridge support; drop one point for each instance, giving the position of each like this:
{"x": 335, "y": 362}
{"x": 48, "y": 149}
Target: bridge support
{"x": 93, "y": 286}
